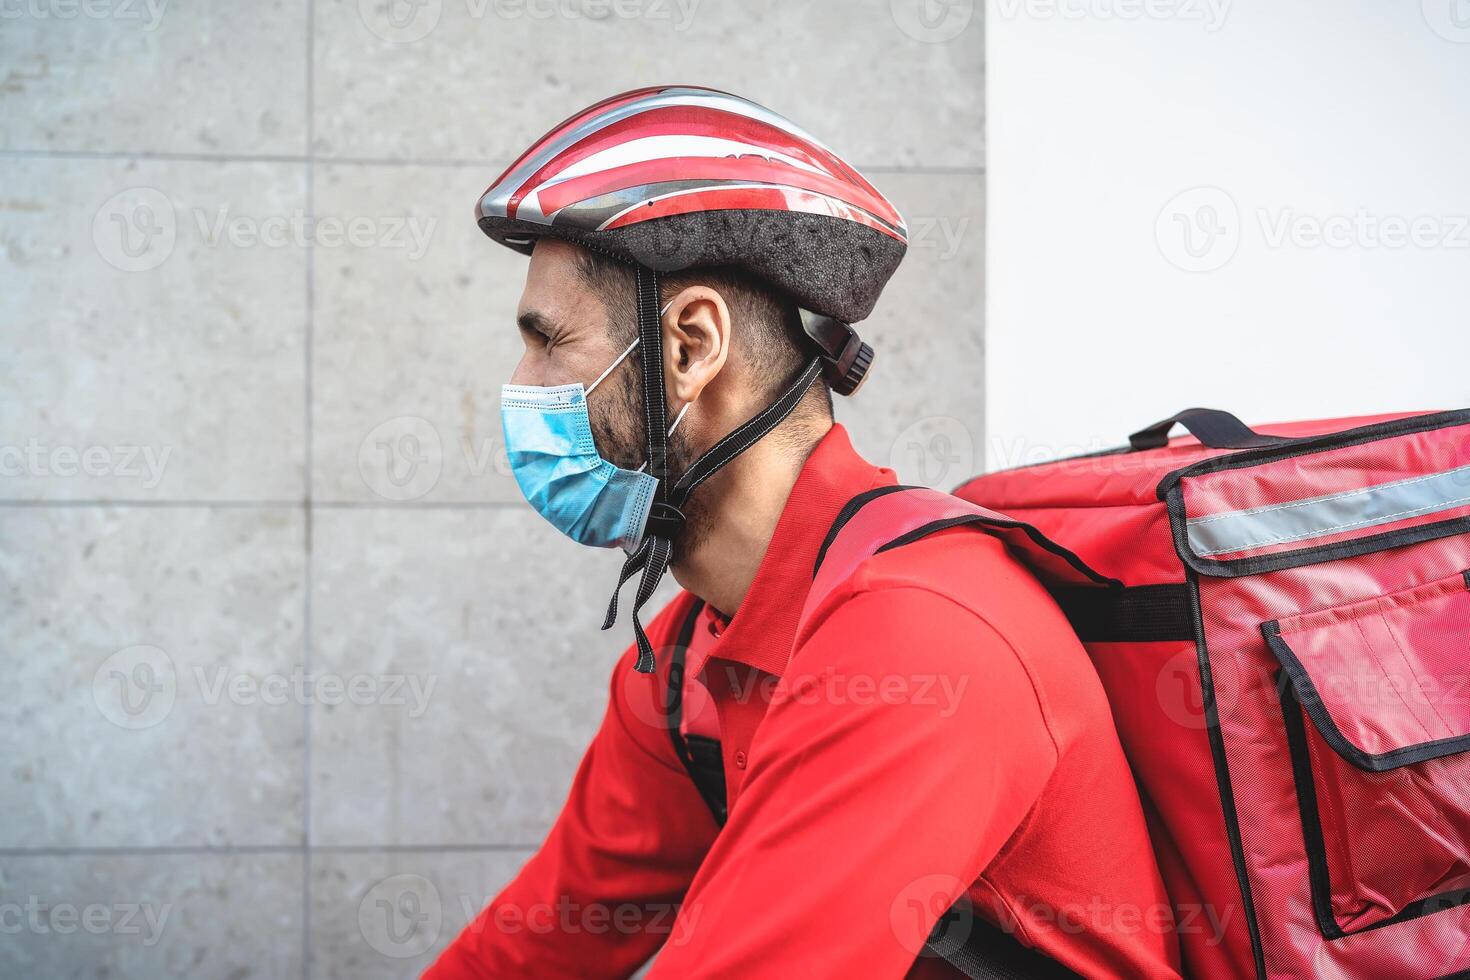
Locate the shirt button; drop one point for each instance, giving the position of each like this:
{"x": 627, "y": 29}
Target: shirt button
{"x": 739, "y": 760}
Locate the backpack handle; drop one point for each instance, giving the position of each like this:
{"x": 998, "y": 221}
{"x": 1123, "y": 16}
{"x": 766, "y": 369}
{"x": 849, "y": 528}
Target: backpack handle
{"x": 1212, "y": 427}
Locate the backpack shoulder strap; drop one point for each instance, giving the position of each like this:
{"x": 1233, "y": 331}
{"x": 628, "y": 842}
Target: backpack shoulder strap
{"x": 873, "y": 522}
{"x": 700, "y": 755}
{"x": 890, "y": 517}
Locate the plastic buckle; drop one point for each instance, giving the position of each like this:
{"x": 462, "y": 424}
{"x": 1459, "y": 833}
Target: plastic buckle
{"x": 665, "y": 521}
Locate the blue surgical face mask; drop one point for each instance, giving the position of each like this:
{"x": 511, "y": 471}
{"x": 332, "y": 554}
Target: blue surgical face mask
{"x": 548, "y": 441}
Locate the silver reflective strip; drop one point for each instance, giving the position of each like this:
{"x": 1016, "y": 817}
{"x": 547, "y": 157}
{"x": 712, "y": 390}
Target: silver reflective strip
{"x": 1314, "y": 517}
{"x": 497, "y": 198}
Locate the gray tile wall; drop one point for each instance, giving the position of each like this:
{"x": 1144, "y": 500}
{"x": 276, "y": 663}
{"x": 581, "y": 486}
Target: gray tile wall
{"x": 295, "y": 682}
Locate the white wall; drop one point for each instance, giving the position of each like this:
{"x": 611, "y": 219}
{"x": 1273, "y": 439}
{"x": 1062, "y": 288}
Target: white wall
{"x": 1348, "y": 119}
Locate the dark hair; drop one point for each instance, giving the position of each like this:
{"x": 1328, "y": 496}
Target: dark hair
{"x": 768, "y": 335}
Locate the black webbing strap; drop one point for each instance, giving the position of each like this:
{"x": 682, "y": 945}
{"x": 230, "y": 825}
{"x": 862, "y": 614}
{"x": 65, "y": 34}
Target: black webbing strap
{"x": 1131, "y": 614}
{"x": 984, "y": 951}
{"x": 651, "y": 360}
{"x": 653, "y": 555}
{"x": 700, "y": 756}
{"x": 746, "y": 435}
{"x": 1211, "y": 426}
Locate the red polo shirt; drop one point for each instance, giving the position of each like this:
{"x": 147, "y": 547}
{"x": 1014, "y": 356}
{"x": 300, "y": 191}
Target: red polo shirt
{"x": 940, "y": 731}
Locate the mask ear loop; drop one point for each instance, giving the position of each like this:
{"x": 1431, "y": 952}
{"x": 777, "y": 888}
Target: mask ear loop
{"x": 677, "y": 419}
{"x": 622, "y": 357}
{"x": 603, "y": 376}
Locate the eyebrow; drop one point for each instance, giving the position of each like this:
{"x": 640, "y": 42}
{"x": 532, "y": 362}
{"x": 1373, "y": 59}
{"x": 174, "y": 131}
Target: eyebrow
{"x": 534, "y": 321}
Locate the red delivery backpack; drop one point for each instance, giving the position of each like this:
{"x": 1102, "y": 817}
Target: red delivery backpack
{"x": 1281, "y": 621}
{"x": 1288, "y": 662}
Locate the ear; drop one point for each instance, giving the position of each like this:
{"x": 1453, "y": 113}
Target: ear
{"x": 696, "y": 341}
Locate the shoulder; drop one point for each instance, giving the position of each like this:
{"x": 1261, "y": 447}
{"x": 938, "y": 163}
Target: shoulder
{"x": 956, "y": 603}
{"x": 943, "y": 673}
{"x": 964, "y": 578}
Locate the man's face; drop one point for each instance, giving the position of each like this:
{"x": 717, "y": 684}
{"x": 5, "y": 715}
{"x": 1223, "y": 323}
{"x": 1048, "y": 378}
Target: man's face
{"x": 567, "y": 337}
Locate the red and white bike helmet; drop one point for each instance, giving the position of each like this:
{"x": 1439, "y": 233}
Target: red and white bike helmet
{"x": 679, "y": 177}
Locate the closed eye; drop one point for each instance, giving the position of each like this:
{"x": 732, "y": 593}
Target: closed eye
{"x": 535, "y": 328}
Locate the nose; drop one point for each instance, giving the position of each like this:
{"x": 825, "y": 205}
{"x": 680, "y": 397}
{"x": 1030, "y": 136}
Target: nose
{"x": 524, "y": 373}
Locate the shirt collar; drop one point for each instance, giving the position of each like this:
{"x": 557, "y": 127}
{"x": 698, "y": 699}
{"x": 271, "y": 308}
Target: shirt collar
{"x": 762, "y": 630}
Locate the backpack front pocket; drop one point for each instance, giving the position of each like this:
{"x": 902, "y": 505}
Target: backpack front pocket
{"x": 1376, "y": 701}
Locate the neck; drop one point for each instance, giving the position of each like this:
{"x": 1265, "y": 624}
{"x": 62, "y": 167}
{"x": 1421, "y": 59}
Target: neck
{"x": 741, "y": 507}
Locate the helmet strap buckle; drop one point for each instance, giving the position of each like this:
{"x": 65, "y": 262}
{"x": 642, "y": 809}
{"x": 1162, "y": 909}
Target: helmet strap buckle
{"x": 845, "y": 358}
{"x": 665, "y": 521}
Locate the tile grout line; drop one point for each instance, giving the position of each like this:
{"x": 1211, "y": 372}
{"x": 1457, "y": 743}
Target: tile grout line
{"x": 307, "y": 477}
{"x": 227, "y": 850}
{"x": 268, "y": 504}
{"x": 433, "y": 162}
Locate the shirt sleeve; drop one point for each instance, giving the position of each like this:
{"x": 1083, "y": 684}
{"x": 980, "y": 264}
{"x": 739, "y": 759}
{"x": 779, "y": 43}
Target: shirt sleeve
{"x": 602, "y": 893}
{"x": 888, "y": 772}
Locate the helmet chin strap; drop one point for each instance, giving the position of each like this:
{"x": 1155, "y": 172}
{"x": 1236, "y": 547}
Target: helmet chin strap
{"x": 666, "y": 518}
